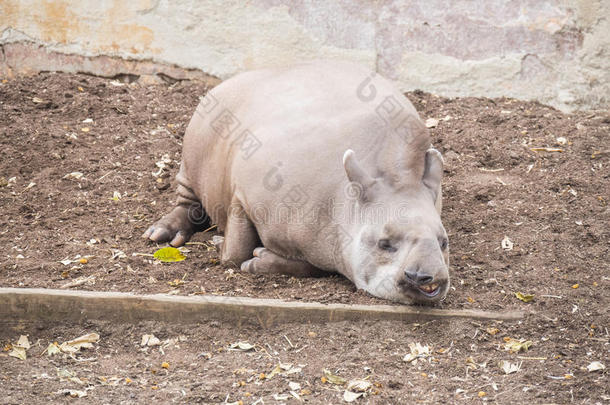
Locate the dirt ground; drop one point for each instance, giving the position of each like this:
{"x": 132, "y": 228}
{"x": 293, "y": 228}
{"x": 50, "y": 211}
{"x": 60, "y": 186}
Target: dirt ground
{"x": 79, "y": 179}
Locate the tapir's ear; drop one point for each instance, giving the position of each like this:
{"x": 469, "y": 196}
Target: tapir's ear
{"x": 433, "y": 171}
{"x": 355, "y": 173}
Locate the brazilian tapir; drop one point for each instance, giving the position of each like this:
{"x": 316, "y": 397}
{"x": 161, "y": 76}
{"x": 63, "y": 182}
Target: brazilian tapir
{"x": 320, "y": 167}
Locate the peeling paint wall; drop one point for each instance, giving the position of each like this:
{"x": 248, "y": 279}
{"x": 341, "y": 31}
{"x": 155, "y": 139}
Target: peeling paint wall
{"x": 554, "y": 51}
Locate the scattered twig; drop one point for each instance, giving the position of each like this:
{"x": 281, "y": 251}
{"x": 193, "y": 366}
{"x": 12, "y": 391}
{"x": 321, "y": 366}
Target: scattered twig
{"x": 210, "y": 228}
{"x": 546, "y": 149}
{"x": 84, "y": 359}
{"x": 270, "y": 348}
{"x": 289, "y": 342}
{"x": 77, "y": 282}
{"x": 509, "y": 390}
{"x": 105, "y": 175}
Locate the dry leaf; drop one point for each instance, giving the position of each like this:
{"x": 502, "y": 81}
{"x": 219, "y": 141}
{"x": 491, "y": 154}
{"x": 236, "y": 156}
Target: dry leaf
{"x": 507, "y": 244}
{"x": 431, "y": 122}
{"x": 508, "y": 367}
{"x": 241, "y": 346}
{"x": 85, "y": 340}
{"x": 23, "y": 342}
{"x": 359, "y": 385}
{"x": 473, "y": 365}
{"x": 150, "y": 340}
{"x": 73, "y": 393}
{"x": 417, "y": 351}
{"x": 276, "y": 370}
{"x": 18, "y": 353}
{"x": 349, "y": 396}
{"x": 82, "y": 342}
{"x": 595, "y": 366}
{"x": 53, "y": 349}
{"x": 117, "y": 254}
{"x": 515, "y": 346}
{"x": 74, "y": 175}
{"x": 332, "y": 378}
{"x": 281, "y": 397}
{"x": 162, "y": 164}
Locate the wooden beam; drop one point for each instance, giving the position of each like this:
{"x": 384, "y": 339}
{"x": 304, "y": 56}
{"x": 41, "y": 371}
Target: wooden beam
{"x": 25, "y": 304}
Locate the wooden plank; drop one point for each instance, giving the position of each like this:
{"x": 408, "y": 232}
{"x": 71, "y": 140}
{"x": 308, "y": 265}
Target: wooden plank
{"x": 25, "y": 304}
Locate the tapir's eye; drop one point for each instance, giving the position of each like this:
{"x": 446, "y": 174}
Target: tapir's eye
{"x": 385, "y": 244}
{"x": 443, "y": 242}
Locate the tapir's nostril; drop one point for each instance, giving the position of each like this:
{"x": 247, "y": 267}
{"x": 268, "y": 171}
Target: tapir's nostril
{"x": 411, "y": 275}
{"x": 418, "y": 278}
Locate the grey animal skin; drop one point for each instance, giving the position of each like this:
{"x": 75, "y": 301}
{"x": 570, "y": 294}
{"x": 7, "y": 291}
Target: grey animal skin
{"x": 316, "y": 168}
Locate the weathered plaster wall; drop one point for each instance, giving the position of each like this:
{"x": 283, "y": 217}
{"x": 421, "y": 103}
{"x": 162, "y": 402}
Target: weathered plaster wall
{"x": 555, "y": 51}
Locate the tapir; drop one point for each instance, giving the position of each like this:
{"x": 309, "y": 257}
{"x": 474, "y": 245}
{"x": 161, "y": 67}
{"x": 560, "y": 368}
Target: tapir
{"x": 315, "y": 168}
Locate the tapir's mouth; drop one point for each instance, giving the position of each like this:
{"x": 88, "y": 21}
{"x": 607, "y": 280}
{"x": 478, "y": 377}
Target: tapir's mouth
{"x": 423, "y": 293}
{"x": 429, "y": 290}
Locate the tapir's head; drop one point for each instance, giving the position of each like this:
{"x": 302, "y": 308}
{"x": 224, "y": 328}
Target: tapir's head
{"x": 400, "y": 249}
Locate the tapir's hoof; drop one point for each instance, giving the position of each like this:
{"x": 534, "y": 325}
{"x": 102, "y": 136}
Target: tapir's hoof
{"x": 162, "y": 234}
{"x": 249, "y": 265}
{"x": 174, "y": 228}
{"x": 257, "y": 264}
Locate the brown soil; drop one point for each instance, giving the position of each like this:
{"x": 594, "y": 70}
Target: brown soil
{"x": 551, "y": 205}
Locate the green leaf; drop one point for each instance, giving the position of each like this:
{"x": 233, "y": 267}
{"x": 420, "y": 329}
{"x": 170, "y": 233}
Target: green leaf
{"x": 169, "y": 254}
{"x": 524, "y": 297}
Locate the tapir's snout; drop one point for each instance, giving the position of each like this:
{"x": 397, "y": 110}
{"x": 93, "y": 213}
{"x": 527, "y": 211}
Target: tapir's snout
{"x": 424, "y": 274}
{"x": 418, "y": 277}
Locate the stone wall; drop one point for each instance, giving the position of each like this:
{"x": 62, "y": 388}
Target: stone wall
{"x": 554, "y": 51}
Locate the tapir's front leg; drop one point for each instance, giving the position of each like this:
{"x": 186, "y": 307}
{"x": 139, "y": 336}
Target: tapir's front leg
{"x": 184, "y": 220}
{"x": 240, "y": 236}
{"x": 267, "y": 262}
